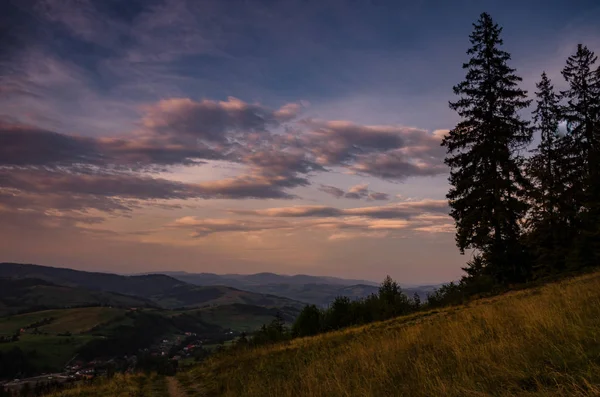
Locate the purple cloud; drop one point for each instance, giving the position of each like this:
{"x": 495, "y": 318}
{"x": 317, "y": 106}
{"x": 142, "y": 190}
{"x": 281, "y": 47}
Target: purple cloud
{"x": 214, "y": 121}
{"x": 430, "y": 216}
{"x": 356, "y": 192}
{"x": 402, "y": 210}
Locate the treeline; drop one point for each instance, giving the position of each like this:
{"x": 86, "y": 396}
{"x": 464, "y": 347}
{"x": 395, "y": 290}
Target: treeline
{"x": 389, "y": 302}
{"x": 524, "y": 214}
{"x": 343, "y": 312}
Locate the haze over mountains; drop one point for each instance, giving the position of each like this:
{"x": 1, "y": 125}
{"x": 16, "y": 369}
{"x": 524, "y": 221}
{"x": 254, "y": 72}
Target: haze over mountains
{"x": 242, "y": 280}
{"x": 162, "y": 290}
{"x": 318, "y": 290}
{"x": 184, "y": 290}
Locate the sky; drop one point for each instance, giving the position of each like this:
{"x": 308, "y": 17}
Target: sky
{"x": 234, "y": 136}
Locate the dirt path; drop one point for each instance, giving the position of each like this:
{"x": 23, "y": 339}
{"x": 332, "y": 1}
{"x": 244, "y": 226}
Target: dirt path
{"x": 175, "y": 389}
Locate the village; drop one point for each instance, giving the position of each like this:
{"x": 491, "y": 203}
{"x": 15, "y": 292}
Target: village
{"x": 164, "y": 355}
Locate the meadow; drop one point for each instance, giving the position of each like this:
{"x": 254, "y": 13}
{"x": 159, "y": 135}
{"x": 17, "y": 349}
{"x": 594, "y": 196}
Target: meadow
{"x": 543, "y": 341}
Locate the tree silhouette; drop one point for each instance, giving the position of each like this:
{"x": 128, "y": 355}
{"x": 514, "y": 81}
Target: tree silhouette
{"x": 582, "y": 113}
{"x": 552, "y": 211}
{"x": 488, "y": 185}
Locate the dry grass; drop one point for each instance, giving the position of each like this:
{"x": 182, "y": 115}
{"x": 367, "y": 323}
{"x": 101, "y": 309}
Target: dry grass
{"x": 537, "y": 342}
{"x": 121, "y": 386}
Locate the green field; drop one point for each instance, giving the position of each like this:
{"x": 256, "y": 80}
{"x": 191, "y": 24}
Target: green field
{"x": 48, "y": 350}
{"x": 75, "y": 321}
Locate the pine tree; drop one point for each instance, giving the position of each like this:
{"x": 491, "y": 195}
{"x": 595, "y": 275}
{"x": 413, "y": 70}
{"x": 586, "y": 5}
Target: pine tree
{"x": 552, "y": 212}
{"x": 582, "y": 113}
{"x": 487, "y": 181}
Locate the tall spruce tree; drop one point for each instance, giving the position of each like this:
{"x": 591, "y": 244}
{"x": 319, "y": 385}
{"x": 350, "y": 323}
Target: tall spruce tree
{"x": 488, "y": 184}
{"x": 582, "y": 113}
{"x": 552, "y": 212}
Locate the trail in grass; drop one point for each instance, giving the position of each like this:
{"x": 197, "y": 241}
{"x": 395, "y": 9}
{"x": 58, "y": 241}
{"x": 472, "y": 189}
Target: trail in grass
{"x": 175, "y": 389}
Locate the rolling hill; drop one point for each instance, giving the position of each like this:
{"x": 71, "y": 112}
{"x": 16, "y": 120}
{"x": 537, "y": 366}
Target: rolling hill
{"x": 163, "y": 290}
{"x": 25, "y": 295}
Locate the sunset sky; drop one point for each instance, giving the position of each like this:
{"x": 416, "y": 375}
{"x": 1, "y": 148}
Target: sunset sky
{"x": 292, "y": 136}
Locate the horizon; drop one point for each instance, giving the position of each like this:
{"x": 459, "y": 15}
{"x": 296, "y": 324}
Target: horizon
{"x": 294, "y": 139}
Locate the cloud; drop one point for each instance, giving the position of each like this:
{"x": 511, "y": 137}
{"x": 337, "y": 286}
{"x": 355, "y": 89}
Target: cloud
{"x": 88, "y": 188}
{"x": 403, "y": 210}
{"x": 250, "y": 186}
{"x": 40, "y": 167}
{"x": 386, "y": 151}
{"x": 357, "y": 192}
{"x": 397, "y": 165}
{"x": 214, "y": 121}
{"x": 332, "y": 190}
{"x": 25, "y": 145}
{"x": 204, "y": 227}
{"x": 378, "y": 196}
{"x": 427, "y": 216}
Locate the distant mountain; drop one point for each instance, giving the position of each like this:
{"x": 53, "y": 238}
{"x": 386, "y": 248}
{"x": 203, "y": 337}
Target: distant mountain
{"x": 320, "y": 291}
{"x": 166, "y": 291}
{"x": 28, "y": 294}
{"x": 244, "y": 280}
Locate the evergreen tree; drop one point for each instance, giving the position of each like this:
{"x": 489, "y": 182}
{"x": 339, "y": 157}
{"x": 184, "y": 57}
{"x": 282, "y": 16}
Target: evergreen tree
{"x": 309, "y": 322}
{"x": 582, "y": 113}
{"x": 486, "y": 175}
{"x": 552, "y": 211}
{"x": 389, "y": 290}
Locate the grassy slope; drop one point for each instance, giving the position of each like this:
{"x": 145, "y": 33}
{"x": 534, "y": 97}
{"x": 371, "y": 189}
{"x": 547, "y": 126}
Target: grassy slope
{"x": 537, "y": 342}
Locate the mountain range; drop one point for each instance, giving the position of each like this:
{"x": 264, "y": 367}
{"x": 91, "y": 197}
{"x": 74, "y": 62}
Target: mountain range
{"x": 171, "y": 290}
{"x": 318, "y": 290}
{"x": 158, "y": 289}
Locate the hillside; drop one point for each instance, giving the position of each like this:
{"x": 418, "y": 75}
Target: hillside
{"x": 541, "y": 341}
{"x": 163, "y": 290}
{"x": 242, "y": 317}
{"x": 537, "y": 342}
{"x": 20, "y": 295}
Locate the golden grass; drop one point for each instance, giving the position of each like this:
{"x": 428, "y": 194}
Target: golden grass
{"x": 537, "y": 342}
{"x": 121, "y": 386}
